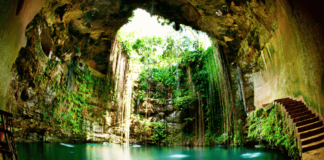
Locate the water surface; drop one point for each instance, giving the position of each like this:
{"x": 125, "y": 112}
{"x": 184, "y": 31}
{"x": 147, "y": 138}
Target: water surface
{"x": 63, "y": 151}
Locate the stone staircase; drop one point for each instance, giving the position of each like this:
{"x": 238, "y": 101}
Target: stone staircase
{"x": 309, "y": 127}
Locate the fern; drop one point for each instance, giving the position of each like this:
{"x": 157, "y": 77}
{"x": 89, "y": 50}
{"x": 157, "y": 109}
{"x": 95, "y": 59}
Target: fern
{"x": 270, "y": 127}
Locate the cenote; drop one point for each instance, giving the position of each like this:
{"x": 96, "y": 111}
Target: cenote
{"x": 93, "y": 151}
{"x": 181, "y": 79}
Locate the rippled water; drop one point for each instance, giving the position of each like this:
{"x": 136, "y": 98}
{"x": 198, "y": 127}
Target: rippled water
{"x": 64, "y": 151}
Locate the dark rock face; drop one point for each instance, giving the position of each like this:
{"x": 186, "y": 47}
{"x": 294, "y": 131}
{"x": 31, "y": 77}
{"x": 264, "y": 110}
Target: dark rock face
{"x": 46, "y": 42}
{"x": 25, "y": 95}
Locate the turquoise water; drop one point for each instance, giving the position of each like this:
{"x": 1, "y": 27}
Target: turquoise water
{"x": 62, "y": 151}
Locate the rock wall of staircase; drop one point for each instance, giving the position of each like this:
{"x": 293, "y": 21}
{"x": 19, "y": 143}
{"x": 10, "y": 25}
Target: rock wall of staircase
{"x": 292, "y": 61}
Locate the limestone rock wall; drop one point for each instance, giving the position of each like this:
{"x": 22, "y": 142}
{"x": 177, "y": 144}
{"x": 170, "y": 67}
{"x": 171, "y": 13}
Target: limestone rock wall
{"x": 14, "y": 17}
{"x": 38, "y": 83}
{"x": 165, "y": 113}
{"x": 292, "y": 61}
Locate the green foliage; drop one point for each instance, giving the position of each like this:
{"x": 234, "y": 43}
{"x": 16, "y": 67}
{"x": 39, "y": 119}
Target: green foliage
{"x": 159, "y": 135}
{"x": 146, "y": 45}
{"x": 140, "y": 94}
{"x": 163, "y": 21}
{"x": 213, "y": 138}
{"x": 143, "y": 81}
{"x": 126, "y": 42}
{"x": 51, "y": 64}
{"x": 77, "y": 49}
{"x": 183, "y": 72}
{"x": 78, "y": 102}
{"x": 184, "y": 101}
{"x": 131, "y": 17}
{"x": 199, "y": 71}
{"x": 183, "y": 63}
{"x": 218, "y": 102}
{"x": 239, "y": 138}
{"x": 69, "y": 110}
{"x": 271, "y": 127}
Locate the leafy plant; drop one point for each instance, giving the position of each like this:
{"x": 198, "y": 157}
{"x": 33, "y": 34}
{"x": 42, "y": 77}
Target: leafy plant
{"x": 271, "y": 127}
{"x": 160, "y": 133}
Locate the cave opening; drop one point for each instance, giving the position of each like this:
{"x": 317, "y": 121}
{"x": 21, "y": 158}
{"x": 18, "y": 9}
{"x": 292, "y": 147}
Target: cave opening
{"x": 171, "y": 70}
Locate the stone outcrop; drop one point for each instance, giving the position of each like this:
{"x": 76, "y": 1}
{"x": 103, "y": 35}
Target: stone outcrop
{"x": 14, "y": 17}
{"x": 34, "y": 91}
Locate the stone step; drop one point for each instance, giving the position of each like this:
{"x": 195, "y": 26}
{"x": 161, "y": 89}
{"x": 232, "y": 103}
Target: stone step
{"x": 299, "y": 124}
{"x": 298, "y": 111}
{"x": 311, "y": 132}
{"x": 306, "y": 117}
{"x": 293, "y": 104}
{"x": 293, "y": 116}
{"x": 286, "y": 101}
{"x": 313, "y": 146}
{"x": 312, "y": 139}
{"x": 295, "y": 108}
{"x": 310, "y": 126}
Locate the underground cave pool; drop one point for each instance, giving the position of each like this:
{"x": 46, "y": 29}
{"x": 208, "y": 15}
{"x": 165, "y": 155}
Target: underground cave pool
{"x": 63, "y": 151}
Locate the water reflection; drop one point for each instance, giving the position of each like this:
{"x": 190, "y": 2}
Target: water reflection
{"x": 178, "y": 156}
{"x": 251, "y": 155}
{"x": 66, "y": 145}
{"x": 136, "y": 146}
{"x": 55, "y": 151}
